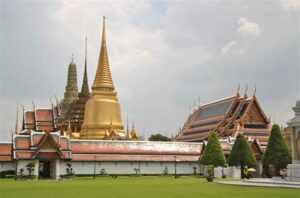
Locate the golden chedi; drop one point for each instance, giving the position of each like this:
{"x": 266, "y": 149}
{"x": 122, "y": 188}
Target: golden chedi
{"x": 102, "y": 110}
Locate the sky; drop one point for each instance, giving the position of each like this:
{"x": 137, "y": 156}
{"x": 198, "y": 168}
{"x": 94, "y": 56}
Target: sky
{"x": 165, "y": 56}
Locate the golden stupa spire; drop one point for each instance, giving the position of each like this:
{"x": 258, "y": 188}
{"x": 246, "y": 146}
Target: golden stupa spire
{"x": 103, "y": 80}
{"x": 102, "y": 110}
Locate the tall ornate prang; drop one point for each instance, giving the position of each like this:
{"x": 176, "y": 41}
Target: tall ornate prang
{"x": 75, "y": 113}
{"x": 71, "y": 92}
{"x": 102, "y": 110}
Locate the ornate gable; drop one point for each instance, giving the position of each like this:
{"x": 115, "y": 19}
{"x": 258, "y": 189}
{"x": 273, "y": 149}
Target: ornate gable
{"x": 48, "y": 142}
{"x": 253, "y": 115}
{"x": 48, "y": 148}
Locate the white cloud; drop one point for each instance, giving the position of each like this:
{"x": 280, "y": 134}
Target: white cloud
{"x": 293, "y": 5}
{"x": 248, "y": 28}
{"x": 231, "y": 46}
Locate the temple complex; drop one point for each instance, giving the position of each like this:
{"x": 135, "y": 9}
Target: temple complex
{"x": 228, "y": 117}
{"x": 86, "y": 131}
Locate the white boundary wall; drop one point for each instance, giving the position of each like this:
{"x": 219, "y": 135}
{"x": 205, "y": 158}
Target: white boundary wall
{"x": 128, "y": 167}
{"x": 5, "y": 166}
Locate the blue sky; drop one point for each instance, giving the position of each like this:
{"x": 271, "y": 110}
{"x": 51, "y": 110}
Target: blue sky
{"x": 164, "y": 55}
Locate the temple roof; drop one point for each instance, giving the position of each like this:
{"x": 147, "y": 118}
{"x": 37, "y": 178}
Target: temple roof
{"x": 107, "y": 150}
{"x": 40, "y": 119}
{"x": 227, "y": 117}
{"x": 5, "y": 151}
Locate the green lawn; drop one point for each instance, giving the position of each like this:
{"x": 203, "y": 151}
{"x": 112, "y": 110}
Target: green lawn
{"x": 136, "y": 187}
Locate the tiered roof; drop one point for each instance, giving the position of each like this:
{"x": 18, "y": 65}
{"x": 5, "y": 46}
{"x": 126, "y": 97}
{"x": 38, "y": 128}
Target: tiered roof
{"x": 42, "y": 145}
{"x": 40, "y": 119}
{"x": 228, "y": 117}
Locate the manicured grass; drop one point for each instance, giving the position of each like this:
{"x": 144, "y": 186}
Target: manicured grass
{"x": 136, "y": 187}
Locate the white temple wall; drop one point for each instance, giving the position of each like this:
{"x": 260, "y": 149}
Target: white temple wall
{"x": 128, "y": 167}
{"x": 230, "y": 172}
{"x": 5, "y": 166}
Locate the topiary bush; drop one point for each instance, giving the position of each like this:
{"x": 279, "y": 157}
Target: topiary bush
{"x": 242, "y": 154}
{"x": 277, "y": 154}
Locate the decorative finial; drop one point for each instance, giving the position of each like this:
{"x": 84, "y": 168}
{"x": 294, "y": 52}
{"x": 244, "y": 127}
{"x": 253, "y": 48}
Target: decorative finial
{"x": 245, "y": 94}
{"x": 17, "y": 119}
{"x": 51, "y": 102}
{"x": 33, "y": 104}
{"x": 72, "y": 59}
{"x": 85, "y": 48}
{"x": 23, "y": 107}
{"x": 254, "y": 91}
{"x": 199, "y": 100}
{"x": 238, "y": 90}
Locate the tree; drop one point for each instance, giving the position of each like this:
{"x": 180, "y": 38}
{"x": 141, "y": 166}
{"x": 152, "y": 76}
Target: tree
{"x": 277, "y": 152}
{"x": 241, "y": 154}
{"x": 69, "y": 169}
{"x": 30, "y": 168}
{"x": 213, "y": 152}
{"x": 159, "y": 137}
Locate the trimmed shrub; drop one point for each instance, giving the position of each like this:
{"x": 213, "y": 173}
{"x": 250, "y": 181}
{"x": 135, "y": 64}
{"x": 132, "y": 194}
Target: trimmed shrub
{"x": 242, "y": 154}
{"x": 277, "y": 152}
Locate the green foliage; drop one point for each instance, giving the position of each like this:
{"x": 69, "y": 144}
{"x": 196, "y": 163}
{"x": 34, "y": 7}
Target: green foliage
{"x": 277, "y": 152}
{"x": 3, "y": 174}
{"x": 241, "y": 153}
{"x": 165, "y": 171}
{"x": 213, "y": 152}
{"x": 210, "y": 170}
{"x": 159, "y": 137}
{"x": 69, "y": 169}
{"x": 30, "y": 168}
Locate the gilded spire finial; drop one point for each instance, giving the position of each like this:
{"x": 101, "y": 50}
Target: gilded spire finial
{"x": 103, "y": 80}
{"x": 254, "y": 91}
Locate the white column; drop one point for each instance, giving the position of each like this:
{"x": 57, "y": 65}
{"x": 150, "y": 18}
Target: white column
{"x": 57, "y": 169}
{"x": 36, "y": 168}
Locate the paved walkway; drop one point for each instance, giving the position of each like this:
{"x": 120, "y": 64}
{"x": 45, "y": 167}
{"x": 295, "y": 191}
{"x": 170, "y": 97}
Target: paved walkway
{"x": 263, "y": 183}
